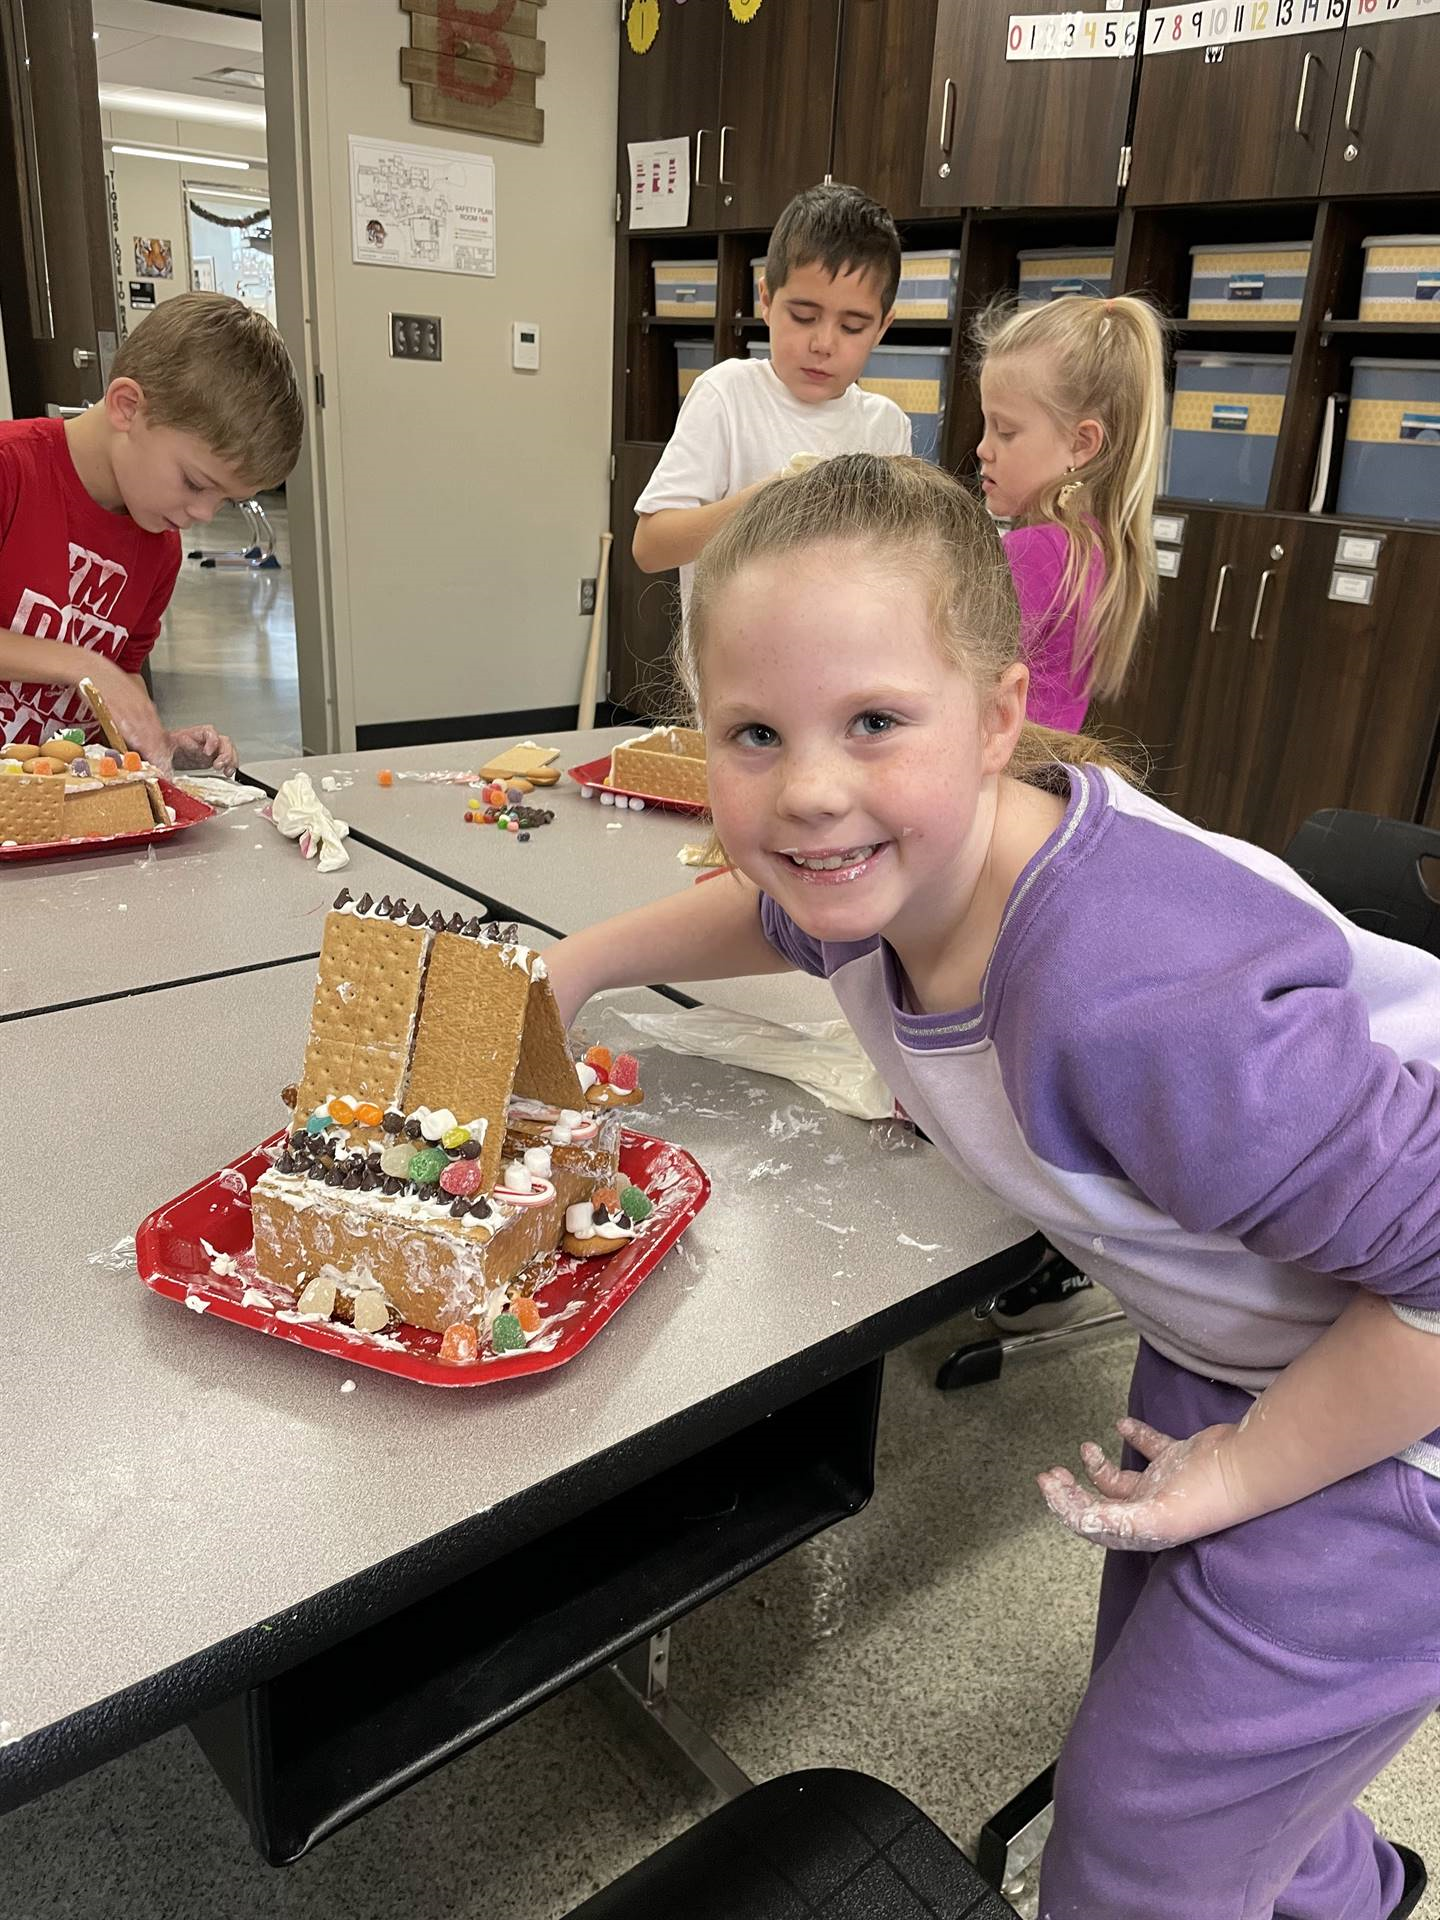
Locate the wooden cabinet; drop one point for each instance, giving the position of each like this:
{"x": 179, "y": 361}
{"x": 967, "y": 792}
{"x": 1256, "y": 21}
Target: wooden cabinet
{"x": 1028, "y": 132}
{"x": 1381, "y": 136}
{"x": 777, "y": 96}
{"x": 1251, "y": 126}
{"x": 644, "y": 607}
{"x": 879, "y": 139}
{"x": 672, "y": 90}
{"x": 1261, "y": 698}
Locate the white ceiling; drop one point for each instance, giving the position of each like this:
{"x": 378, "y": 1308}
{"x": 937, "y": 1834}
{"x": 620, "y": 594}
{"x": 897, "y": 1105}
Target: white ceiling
{"x": 144, "y": 48}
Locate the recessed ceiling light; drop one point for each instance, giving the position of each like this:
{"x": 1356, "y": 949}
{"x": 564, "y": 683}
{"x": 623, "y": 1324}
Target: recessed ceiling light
{"x": 236, "y": 77}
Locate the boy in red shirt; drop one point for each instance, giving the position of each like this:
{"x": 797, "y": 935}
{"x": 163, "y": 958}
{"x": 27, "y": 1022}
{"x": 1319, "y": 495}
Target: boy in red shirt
{"x": 202, "y": 407}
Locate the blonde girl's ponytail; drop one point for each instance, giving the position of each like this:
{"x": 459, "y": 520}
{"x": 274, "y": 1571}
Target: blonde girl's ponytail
{"x": 1101, "y": 360}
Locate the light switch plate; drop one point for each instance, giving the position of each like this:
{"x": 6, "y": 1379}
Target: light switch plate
{"x": 525, "y": 346}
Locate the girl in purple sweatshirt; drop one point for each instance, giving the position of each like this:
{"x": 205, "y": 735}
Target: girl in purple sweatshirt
{"x": 1165, "y": 1050}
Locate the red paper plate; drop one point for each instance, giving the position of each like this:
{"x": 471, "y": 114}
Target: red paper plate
{"x": 189, "y": 812}
{"x": 594, "y": 773}
{"x": 198, "y": 1249}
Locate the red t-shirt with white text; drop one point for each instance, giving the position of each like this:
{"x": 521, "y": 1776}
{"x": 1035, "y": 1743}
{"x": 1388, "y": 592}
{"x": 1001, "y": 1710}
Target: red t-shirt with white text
{"x": 70, "y": 570}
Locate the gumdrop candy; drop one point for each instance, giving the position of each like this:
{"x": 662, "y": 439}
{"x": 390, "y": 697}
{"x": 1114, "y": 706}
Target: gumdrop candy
{"x": 318, "y": 1121}
{"x": 342, "y": 1112}
{"x": 638, "y": 1205}
{"x": 507, "y": 1335}
{"x": 370, "y": 1312}
{"x": 317, "y": 1296}
{"x": 76, "y": 735}
{"x": 108, "y": 767}
{"x": 368, "y": 1114}
{"x": 384, "y": 778}
{"x": 460, "y": 1344}
{"x": 527, "y": 1313}
{"x": 427, "y": 1166}
{"x": 454, "y": 1138}
{"x": 462, "y": 1177}
{"x": 599, "y": 1058}
{"x": 625, "y": 1074}
{"x": 605, "y": 1197}
{"x": 395, "y": 1161}
{"x": 132, "y": 763}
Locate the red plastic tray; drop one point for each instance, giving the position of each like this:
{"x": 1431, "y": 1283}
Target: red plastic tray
{"x": 189, "y": 812}
{"x": 595, "y": 772}
{"x": 179, "y": 1246}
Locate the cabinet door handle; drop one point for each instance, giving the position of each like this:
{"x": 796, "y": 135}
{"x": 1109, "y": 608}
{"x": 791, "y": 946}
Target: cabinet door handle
{"x": 1219, "y": 596}
{"x": 1361, "y": 54}
{"x": 947, "y": 117}
{"x": 1265, "y": 579}
{"x": 700, "y": 133}
{"x": 725, "y": 133}
{"x": 1300, "y": 100}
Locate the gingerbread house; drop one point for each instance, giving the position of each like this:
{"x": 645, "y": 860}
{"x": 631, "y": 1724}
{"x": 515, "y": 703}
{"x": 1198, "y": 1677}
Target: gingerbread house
{"x": 668, "y": 763}
{"x": 442, "y": 1132}
{"x": 61, "y": 791}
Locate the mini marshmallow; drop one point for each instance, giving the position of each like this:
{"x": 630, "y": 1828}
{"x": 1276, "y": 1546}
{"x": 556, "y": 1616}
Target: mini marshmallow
{"x": 436, "y": 1125}
{"x": 516, "y": 1179}
{"x": 580, "y": 1219}
{"x": 561, "y": 1136}
{"x": 537, "y": 1160}
{"x": 569, "y": 1117}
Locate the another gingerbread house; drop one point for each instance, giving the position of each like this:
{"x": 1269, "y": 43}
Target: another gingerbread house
{"x": 668, "y": 763}
{"x": 441, "y": 1130}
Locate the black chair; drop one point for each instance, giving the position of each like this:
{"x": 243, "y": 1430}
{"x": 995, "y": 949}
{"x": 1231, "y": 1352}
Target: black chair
{"x": 1378, "y": 873}
{"x": 821, "y": 1845}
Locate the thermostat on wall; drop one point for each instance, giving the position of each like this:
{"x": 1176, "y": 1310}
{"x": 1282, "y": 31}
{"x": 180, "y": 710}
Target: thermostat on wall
{"x": 525, "y": 346}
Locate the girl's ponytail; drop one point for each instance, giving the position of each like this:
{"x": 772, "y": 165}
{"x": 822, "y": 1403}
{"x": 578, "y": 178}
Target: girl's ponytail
{"x": 1102, "y": 360}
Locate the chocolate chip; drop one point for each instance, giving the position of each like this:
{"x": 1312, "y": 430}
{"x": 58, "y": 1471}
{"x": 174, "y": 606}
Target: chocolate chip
{"x": 472, "y": 929}
{"x": 383, "y": 910}
{"x": 343, "y": 898}
{"x": 412, "y": 1129}
{"x": 316, "y": 1170}
{"x": 393, "y": 1122}
{"x": 289, "y": 1095}
{"x": 522, "y": 837}
{"x": 480, "y": 1209}
{"x": 334, "y": 1177}
{"x": 455, "y": 923}
{"x": 393, "y": 1183}
{"x": 417, "y": 917}
{"x": 430, "y": 1190}
{"x": 354, "y": 1177}
{"x": 400, "y": 908}
{"x": 371, "y": 1178}
{"x": 459, "y": 1208}
{"x": 299, "y": 1141}
{"x": 285, "y": 1164}
{"x": 623, "y": 1220}
{"x": 436, "y": 922}
{"x": 364, "y": 903}
{"x": 601, "y": 1216}
{"x": 470, "y": 1151}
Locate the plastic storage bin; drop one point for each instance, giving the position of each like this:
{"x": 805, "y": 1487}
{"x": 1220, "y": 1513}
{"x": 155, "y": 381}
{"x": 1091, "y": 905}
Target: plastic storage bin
{"x": 1049, "y": 273}
{"x": 1402, "y": 278}
{"x": 1248, "y": 283}
{"x": 915, "y": 378}
{"x": 929, "y": 284}
{"x": 692, "y": 357}
{"x": 685, "y": 289}
{"x": 1224, "y": 423}
{"x": 1391, "y": 465}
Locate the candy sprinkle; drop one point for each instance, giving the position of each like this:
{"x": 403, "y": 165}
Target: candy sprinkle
{"x": 384, "y": 778}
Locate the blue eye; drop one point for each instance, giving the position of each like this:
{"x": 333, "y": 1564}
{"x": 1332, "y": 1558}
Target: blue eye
{"x": 756, "y": 734}
{"x": 874, "y": 726}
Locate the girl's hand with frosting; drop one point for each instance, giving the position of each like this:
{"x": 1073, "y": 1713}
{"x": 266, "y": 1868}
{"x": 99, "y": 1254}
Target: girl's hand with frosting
{"x": 1188, "y": 1490}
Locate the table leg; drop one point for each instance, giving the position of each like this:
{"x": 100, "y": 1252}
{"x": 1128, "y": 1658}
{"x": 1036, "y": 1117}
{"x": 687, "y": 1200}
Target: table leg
{"x": 639, "y": 1683}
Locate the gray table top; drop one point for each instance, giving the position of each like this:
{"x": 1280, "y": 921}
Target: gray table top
{"x": 590, "y": 862}
{"x": 174, "y": 1480}
{"x": 230, "y": 893}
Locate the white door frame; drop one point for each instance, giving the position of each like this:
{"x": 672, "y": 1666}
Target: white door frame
{"x": 297, "y": 138}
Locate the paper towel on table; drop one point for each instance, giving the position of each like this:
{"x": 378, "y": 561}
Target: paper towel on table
{"x": 299, "y": 814}
{"x": 822, "y": 1056}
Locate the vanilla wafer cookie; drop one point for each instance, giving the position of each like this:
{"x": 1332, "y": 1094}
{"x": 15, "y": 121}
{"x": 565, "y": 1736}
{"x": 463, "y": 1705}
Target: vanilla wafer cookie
{"x": 367, "y": 994}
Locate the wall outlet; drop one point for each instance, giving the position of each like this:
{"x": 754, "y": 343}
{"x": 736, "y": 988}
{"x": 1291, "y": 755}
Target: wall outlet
{"x": 587, "y": 596}
{"x": 414, "y": 336}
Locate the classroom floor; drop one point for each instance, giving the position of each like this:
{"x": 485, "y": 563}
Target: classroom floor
{"x": 938, "y": 1640}
{"x": 226, "y": 652}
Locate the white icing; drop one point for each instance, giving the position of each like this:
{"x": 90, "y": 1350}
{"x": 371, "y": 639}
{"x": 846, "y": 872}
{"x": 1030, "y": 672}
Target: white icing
{"x": 586, "y": 1075}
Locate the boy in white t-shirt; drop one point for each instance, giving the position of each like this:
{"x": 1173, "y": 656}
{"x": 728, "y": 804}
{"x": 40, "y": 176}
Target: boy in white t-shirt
{"x": 828, "y": 295}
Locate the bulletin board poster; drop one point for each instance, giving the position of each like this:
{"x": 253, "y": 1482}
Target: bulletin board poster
{"x": 659, "y": 183}
{"x": 1224, "y": 23}
{"x": 154, "y": 259}
{"x": 424, "y": 207}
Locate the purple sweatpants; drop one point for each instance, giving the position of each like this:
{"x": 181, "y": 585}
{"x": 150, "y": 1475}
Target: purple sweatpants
{"x": 1245, "y": 1689}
